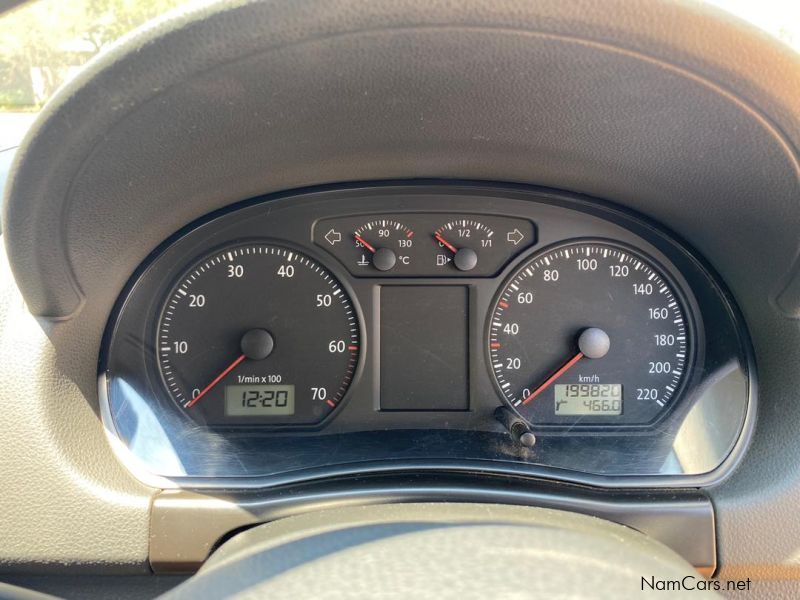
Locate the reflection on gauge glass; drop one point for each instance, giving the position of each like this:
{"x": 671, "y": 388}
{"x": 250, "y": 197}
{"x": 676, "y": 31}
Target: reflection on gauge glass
{"x": 589, "y": 334}
{"x": 257, "y": 334}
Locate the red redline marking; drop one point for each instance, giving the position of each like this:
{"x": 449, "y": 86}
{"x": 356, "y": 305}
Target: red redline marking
{"x": 410, "y": 234}
{"x": 503, "y": 304}
{"x": 494, "y": 345}
{"x": 352, "y": 347}
{"x": 217, "y": 379}
{"x": 445, "y": 243}
{"x": 330, "y": 403}
{"x": 364, "y": 243}
{"x": 553, "y": 377}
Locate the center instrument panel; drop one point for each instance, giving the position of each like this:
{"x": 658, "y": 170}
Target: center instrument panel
{"x": 477, "y": 328}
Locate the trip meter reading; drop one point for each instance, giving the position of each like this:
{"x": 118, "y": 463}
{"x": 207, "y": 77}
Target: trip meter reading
{"x": 257, "y": 334}
{"x": 589, "y": 334}
{"x": 588, "y": 399}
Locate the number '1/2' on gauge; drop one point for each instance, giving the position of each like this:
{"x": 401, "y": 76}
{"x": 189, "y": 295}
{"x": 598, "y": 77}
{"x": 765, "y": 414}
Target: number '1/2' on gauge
{"x": 589, "y": 334}
{"x": 257, "y": 334}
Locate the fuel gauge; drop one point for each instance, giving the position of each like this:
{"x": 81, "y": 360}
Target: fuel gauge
{"x": 462, "y": 242}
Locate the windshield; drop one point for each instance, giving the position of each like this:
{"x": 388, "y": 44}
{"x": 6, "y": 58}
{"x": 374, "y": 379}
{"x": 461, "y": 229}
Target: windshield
{"x": 46, "y": 42}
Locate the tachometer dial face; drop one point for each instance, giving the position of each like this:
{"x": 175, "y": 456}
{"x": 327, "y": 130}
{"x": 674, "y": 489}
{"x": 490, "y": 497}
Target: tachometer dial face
{"x": 589, "y": 334}
{"x": 257, "y": 334}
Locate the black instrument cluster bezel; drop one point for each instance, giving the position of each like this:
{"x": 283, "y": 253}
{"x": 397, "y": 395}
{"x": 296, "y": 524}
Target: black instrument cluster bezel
{"x": 358, "y": 435}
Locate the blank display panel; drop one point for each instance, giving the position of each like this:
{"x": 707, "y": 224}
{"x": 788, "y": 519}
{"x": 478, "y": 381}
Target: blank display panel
{"x": 424, "y": 348}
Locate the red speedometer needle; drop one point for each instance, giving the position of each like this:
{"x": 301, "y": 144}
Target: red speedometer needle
{"x": 553, "y": 377}
{"x": 217, "y": 379}
{"x": 364, "y": 243}
{"x": 445, "y": 243}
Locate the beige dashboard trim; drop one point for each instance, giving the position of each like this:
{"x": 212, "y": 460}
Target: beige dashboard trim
{"x": 187, "y": 526}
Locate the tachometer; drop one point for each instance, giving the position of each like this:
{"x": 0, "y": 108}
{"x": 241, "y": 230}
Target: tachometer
{"x": 257, "y": 334}
{"x": 589, "y": 333}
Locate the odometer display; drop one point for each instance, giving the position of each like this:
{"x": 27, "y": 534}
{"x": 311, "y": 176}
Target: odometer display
{"x": 257, "y": 334}
{"x": 588, "y": 399}
{"x": 589, "y": 334}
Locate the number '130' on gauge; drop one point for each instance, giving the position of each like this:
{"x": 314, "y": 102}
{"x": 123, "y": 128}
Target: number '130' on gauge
{"x": 589, "y": 334}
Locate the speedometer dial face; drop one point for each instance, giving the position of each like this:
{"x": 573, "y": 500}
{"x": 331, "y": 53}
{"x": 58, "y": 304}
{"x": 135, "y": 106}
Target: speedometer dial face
{"x": 589, "y": 334}
{"x": 257, "y": 334}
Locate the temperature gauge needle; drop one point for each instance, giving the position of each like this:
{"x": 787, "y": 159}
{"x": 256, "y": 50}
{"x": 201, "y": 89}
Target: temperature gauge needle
{"x": 217, "y": 379}
{"x": 549, "y": 381}
{"x": 364, "y": 243}
{"x": 383, "y": 259}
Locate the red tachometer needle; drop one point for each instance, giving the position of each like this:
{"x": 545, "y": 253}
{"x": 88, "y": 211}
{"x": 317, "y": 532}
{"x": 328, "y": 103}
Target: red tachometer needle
{"x": 445, "y": 243}
{"x": 217, "y": 379}
{"x": 553, "y": 377}
{"x": 364, "y": 243}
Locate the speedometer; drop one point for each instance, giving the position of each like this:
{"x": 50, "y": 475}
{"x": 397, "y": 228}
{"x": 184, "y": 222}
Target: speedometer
{"x": 257, "y": 334}
{"x": 589, "y": 334}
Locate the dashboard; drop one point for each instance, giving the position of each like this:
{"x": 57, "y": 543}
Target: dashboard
{"x": 304, "y": 259}
{"x": 459, "y": 326}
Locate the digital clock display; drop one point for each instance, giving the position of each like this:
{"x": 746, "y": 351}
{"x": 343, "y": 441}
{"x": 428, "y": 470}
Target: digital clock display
{"x": 259, "y": 400}
{"x": 576, "y": 399}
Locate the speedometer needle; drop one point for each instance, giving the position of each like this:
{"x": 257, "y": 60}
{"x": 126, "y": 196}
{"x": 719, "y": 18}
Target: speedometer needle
{"x": 549, "y": 381}
{"x": 592, "y": 342}
{"x": 217, "y": 379}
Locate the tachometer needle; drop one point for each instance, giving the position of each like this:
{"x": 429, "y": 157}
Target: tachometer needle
{"x": 364, "y": 243}
{"x": 549, "y": 381}
{"x": 217, "y": 379}
{"x": 445, "y": 243}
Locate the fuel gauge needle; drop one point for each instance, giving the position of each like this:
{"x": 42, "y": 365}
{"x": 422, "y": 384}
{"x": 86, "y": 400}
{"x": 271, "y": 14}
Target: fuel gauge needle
{"x": 217, "y": 379}
{"x": 464, "y": 259}
{"x": 445, "y": 243}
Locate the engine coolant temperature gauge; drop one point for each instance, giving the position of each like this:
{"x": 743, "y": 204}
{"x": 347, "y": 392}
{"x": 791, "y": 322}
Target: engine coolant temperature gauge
{"x": 383, "y": 244}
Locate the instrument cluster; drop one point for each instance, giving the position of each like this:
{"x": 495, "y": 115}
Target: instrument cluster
{"x": 417, "y": 327}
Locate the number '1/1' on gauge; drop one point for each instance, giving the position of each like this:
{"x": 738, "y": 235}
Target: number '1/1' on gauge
{"x": 591, "y": 334}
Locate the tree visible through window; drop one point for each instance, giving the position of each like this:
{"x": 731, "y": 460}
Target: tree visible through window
{"x": 46, "y": 42}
